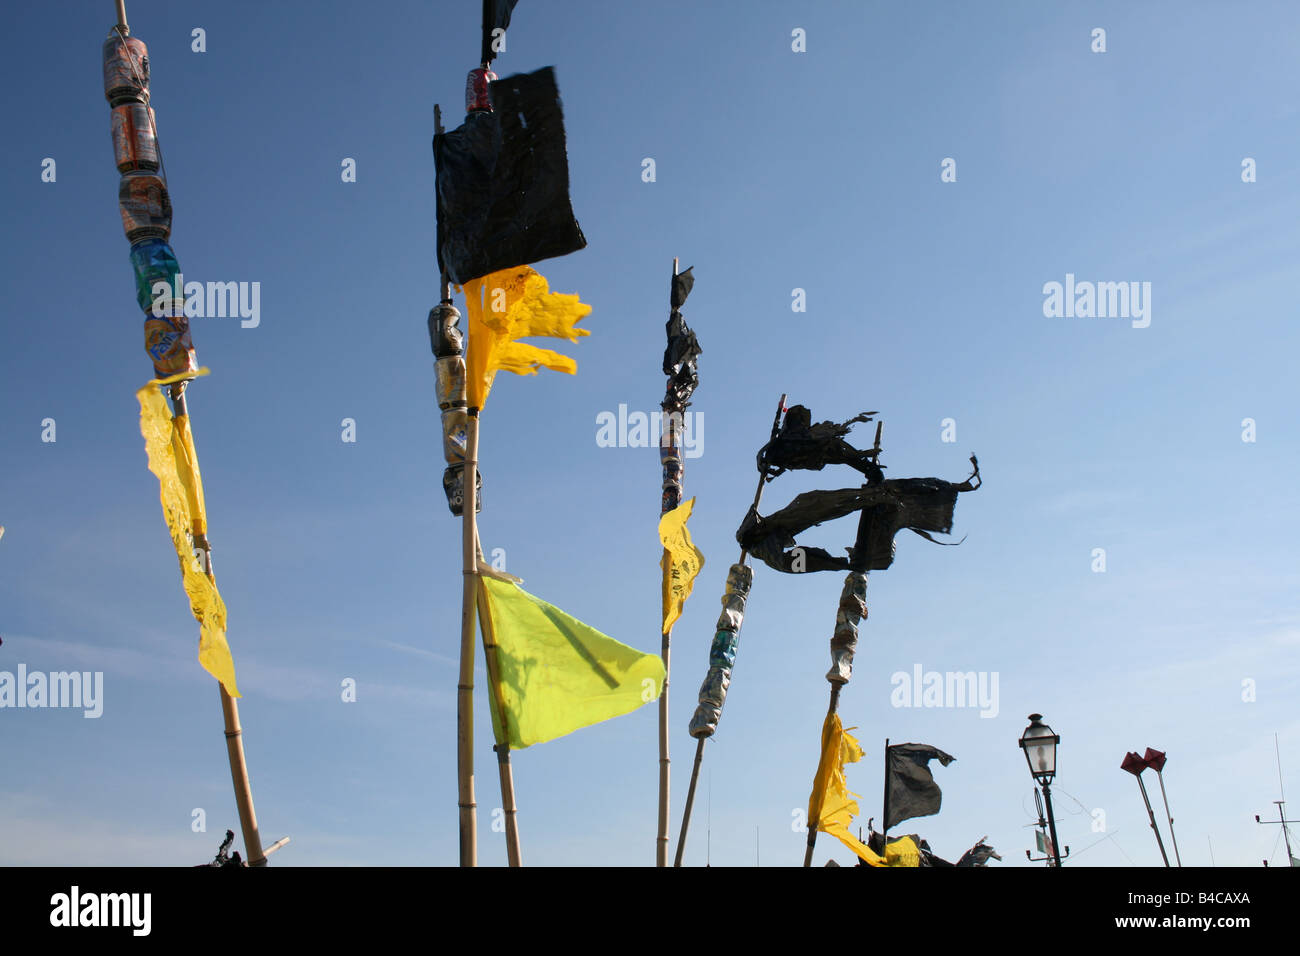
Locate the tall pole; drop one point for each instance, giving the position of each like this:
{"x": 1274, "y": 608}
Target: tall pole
{"x": 1150, "y": 816}
{"x": 465, "y": 687}
{"x": 504, "y": 771}
{"x": 699, "y": 743}
{"x": 884, "y": 819}
{"x": 1286, "y": 834}
{"x": 159, "y": 227}
{"x": 1161, "y": 777}
{"x": 229, "y": 708}
{"x": 670, "y": 456}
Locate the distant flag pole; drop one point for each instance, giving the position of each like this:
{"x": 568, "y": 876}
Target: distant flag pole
{"x": 671, "y": 459}
{"x": 1135, "y": 765}
{"x": 680, "y": 366}
{"x": 1155, "y": 759}
{"x": 722, "y": 655}
{"x": 146, "y": 218}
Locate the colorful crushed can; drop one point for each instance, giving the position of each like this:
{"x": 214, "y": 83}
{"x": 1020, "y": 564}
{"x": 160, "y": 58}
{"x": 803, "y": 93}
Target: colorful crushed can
{"x": 153, "y": 261}
{"x": 168, "y": 342}
{"x": 453, "y": 483}
{"x": 134, "y": 144}
{"x": 145, "y": 205}
{"x": 477, "y": 96}
{"x": 126, "y": 70}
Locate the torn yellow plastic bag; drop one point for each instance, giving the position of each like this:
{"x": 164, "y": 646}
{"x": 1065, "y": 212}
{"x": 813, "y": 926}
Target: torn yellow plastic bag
{"x": 902, "y": 852}
{"x": 555, "y": 673}
{"x": 509, "y": 305}
{"x": 681, "y": 562}
{"x": 832, "y": 805}
{"x": 170, "y": 447}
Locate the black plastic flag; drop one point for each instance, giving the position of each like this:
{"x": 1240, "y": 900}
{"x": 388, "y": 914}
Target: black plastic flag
{"x": 503, "y": 182}
{"x": 911, "y": 786}
{"x": 496, "y": 16}
{"x": 683, "y": 348}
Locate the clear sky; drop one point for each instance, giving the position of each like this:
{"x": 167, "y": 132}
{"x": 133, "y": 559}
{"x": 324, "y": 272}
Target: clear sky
{"x": 775, "y": 170}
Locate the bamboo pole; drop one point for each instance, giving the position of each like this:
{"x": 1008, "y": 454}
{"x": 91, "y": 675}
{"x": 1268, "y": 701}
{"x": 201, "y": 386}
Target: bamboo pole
{"x": 123, "y": 28}
{"x": 465, "y": 687}
{"x": 229, "y": 708}
{"x": 699, "y": 744}
{"x": 690, "y": 801}
{"x": 488, "y": 629}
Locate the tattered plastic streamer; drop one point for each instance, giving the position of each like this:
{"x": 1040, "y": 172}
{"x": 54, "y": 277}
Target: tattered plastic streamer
{"x": 852, "y": 609}
{"x": 722, "y": 655}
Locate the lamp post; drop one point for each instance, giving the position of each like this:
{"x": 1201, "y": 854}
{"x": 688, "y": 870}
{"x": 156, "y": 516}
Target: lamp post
{"x": 1039, "y": 745}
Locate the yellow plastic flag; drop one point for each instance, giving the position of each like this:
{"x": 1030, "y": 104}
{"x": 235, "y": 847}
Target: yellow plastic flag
{"x": 170, "y": 447}
{"x": 509, "y": 305}
{"x": 832, "y": 805}
{"x": 556, "y": 674}
{"x": 681, "y": 562}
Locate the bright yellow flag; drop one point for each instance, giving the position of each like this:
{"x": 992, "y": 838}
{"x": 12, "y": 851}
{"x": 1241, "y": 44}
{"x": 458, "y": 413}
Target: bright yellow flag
{"x": 556, "y": 674}
{"x": 509, "y": 305}
{"x": 170, "y": 447}
{"x": 681, "y": 562}
{"x": 832, "y": 805}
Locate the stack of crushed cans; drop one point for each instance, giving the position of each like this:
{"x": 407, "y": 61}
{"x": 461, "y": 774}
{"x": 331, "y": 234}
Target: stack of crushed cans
{"x": 447, "y": 342}
{"x": 145, "y": 206}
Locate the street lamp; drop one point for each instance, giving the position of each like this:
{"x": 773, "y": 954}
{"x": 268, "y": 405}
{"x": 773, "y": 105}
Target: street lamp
{"x": 1039, "y": 745}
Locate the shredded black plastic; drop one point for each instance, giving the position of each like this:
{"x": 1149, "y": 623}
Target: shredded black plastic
{"x": 804, "y": 446}
{"x": 503, "y": 182}
{"x": 496, "y": 15}
{"x": 683, "y": 348}
{"x": 922, "y": 505}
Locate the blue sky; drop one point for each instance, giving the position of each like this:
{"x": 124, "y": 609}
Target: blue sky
{"x": 775, "y": 171}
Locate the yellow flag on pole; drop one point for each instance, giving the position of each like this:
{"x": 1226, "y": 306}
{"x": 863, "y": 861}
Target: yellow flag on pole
{"x": 509, "y": 305}
{"x": 681, "y": 562}
{"x": 557, "y": 674}
{"x": 831, "y": 807}
{"x": 170, "y": 447}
